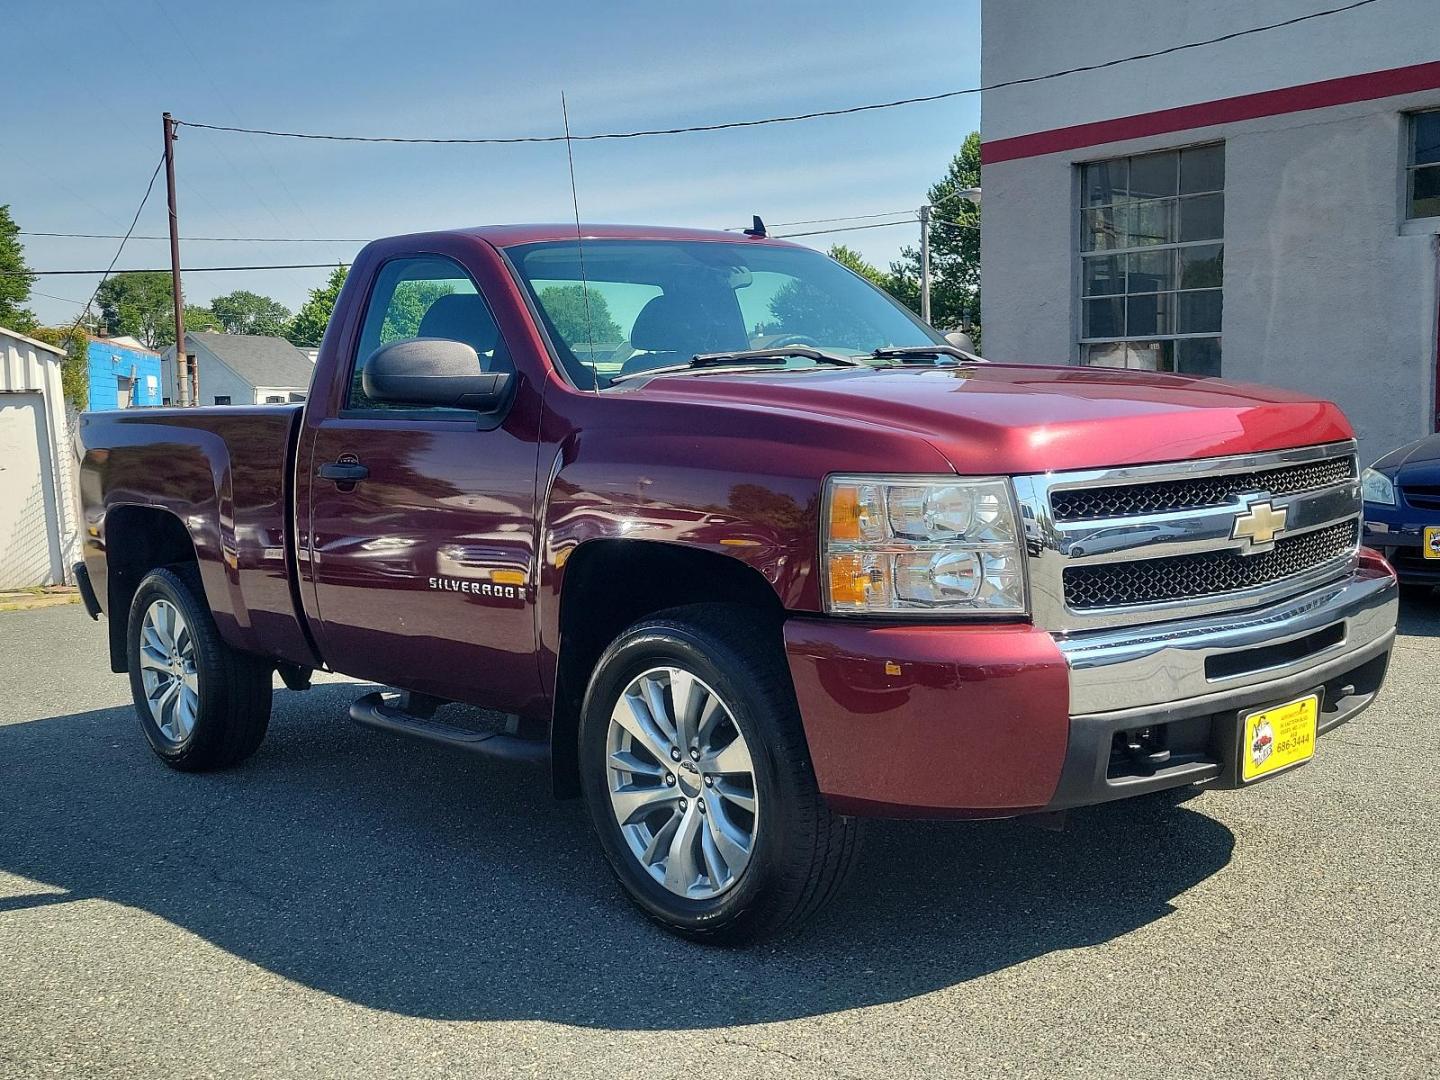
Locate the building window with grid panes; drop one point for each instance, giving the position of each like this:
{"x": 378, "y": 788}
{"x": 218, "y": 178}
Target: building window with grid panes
{"x": 1152, "y": 230}
{"x": 1422, "y": 186}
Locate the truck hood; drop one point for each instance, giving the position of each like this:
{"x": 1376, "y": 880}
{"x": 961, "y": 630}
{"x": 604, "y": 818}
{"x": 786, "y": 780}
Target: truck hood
{"x": 1019, "y": 418}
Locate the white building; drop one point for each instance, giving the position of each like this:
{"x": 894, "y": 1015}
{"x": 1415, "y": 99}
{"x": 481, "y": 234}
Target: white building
{"x": 1266, "y": 208}
{"x": 240, "y": 369}
{"x": 39, "y": 538}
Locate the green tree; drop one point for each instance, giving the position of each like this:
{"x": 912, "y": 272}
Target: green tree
{"x": 199, "y": 319}
{"x": 75, "y": 368}
{"x": 138, "y": 305}
{"x": 15, "y": 278}
{"x": 408, "y": 305}
{"x": 799, "y": 307}
{"x": 565, "y": 304}
{"x": 308, "y": 325}
{"x": 852, "y": 260}
{"x": 954, "y": 247}
{"x": 245, "y": 312}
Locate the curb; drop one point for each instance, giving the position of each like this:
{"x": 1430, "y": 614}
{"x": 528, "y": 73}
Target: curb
{"x": 33, "y": 599}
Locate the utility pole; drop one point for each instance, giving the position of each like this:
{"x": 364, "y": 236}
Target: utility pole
{"x": 182, "y": 372}
{"x": 925, "y": 263}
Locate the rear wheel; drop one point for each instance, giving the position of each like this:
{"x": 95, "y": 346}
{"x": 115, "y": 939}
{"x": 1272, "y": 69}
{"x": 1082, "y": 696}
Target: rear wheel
{"x": 699, "y": 782}
{"x": 202, "y": 705}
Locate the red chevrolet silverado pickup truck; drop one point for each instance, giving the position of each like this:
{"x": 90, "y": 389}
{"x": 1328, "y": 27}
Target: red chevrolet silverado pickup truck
{"x": 743, "y": 552}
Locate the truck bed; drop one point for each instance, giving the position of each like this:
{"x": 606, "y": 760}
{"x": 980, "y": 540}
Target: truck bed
{"x": 226, "y": 475}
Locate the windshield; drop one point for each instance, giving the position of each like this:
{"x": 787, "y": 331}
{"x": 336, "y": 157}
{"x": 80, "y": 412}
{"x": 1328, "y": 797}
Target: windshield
{"x": 658, "y": 303}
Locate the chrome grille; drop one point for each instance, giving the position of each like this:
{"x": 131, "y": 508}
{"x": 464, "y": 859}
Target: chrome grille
{"x": 1142, "y": 544}
{"x": 1167, "y": 495}
{"x": 1210, "y": 573}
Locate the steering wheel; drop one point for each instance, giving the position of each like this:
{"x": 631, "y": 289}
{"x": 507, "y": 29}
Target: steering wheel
{"x": 792, "y": 339}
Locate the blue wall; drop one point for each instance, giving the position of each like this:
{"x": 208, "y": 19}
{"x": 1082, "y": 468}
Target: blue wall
{"x": 109, "y": 361}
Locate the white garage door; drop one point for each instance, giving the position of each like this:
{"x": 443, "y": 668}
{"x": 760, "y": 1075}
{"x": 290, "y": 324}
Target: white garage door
{"x": 29, "y": 551}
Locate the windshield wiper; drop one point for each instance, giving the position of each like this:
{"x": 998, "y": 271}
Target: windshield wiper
{"x": 920, "y": 352}
{"x": 744, "y": 356}
{"x": 771, "y": 356}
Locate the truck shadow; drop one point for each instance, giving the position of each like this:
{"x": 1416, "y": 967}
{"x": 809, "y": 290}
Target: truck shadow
{"x": 421, "y": 882}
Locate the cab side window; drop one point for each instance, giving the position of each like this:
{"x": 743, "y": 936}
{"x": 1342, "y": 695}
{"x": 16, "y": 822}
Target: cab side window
{"x": 425, "y": 296}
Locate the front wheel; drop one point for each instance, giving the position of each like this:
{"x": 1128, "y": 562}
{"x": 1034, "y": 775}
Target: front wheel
{"x": 699, "y": 781}
{"x": 202, "y": 705}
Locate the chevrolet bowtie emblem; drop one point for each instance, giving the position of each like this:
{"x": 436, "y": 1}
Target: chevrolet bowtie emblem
{"x": 1260, "y": 523}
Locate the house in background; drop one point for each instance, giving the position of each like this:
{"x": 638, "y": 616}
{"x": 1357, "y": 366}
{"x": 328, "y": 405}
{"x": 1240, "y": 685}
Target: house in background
{"x": 123, "y": 373}
{"x": 1264, "y": 208}
{"x": 240, "y": 369}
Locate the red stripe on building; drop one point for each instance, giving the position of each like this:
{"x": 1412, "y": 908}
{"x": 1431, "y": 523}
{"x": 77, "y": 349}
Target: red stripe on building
{"x": 1316, "y": 95}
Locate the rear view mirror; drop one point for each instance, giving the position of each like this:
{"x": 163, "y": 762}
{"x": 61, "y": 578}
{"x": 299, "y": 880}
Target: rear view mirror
{"x": 433, "y": 372}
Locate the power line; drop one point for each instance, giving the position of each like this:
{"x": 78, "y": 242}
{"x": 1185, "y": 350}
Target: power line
{"x": 105, "y": 274}
{"x": 847, "y": 228}
{"x": 332, "y": 265}
{"x": 794, "y": 117}
{"x": 826, "y": 220}
{"x": 213, "y": 239}
{"x": 953, "y": 224}
{"x": 166, "y": 270}
{"x": 52, "y": 296}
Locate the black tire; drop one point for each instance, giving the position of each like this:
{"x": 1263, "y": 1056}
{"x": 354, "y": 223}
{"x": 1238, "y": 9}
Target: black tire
{"x": 234, "y": 689}
{"x": 801, "y": 852}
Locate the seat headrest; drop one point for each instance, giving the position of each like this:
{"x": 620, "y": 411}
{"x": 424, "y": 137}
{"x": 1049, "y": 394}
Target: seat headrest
{"x": 657, "y": 328}
{"x": 461, "y": 317}
{"x": 687, "y": 325}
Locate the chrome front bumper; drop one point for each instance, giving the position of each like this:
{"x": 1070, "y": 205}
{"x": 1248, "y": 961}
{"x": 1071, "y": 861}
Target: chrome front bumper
{"x": 1350, "y": 619}
{"x": 1182, "y": 688}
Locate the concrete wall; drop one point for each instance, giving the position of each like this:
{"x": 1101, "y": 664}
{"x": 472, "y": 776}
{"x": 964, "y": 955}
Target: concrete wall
{"x": 1020, "y": 38}
{"x": 1327, "y": 288}
{"x": 108, "y": 361}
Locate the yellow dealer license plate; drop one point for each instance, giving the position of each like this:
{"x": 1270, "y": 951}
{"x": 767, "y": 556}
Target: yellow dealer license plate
{"x": 1278, "y": 737}
{"x": 1431, "y": 546}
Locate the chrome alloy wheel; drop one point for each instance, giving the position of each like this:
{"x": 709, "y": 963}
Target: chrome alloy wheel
{"x": 681, "y": 783}
{"x": 167, "y": 670}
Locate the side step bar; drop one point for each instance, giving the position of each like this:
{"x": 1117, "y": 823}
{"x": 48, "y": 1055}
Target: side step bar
{"x": 374, "y": 711}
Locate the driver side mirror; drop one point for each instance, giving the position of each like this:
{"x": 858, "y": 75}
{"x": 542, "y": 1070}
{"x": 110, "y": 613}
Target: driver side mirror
{"x": 433, "y": 372}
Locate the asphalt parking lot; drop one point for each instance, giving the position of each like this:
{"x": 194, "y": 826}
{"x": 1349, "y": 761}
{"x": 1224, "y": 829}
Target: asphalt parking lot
{"x": 350, "y": 904}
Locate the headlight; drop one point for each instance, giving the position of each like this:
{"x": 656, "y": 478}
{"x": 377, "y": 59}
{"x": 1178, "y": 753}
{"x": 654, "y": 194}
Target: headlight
{"x": 921, "y": 546}
{"x": 1376, "y": 487}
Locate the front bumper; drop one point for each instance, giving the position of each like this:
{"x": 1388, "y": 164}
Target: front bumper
{"x": 1398, "y": 533}
{"x": 998, "y": 720}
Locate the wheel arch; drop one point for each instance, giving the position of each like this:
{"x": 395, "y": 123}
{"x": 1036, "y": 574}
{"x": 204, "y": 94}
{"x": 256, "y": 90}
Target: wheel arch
{"x": 610, "y": 584}
{"x": 139, "y": 539}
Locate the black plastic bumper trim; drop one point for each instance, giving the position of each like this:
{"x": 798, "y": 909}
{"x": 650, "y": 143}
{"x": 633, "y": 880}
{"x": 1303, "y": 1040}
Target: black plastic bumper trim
{"x": 87, "y": 590}
{"x": 1085, "y": 779}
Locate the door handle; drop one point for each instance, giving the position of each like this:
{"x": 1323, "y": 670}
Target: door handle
{"x": 344, "y": 472}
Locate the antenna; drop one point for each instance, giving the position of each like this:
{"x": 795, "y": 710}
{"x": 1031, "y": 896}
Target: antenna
{"x": 580, "y": 244}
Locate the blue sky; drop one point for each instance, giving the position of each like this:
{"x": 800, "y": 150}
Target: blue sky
{"x": 83, "y": 133}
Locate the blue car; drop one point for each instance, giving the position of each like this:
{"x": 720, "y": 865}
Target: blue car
{"x": 1402, "y": 511}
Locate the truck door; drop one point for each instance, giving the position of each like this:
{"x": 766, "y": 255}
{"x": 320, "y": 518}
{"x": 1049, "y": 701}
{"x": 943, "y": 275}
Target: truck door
{"x": 421, "y": 522}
